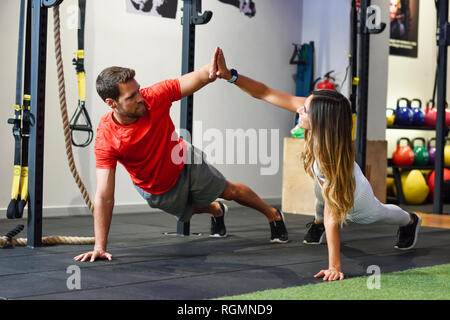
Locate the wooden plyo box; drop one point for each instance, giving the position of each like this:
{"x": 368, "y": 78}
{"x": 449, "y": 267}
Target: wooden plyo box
{"x": 298, "y": 187}
{"x": 376, "y": 167}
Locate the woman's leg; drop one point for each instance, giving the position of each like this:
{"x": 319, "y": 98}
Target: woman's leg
{"x": 368, "y": 209}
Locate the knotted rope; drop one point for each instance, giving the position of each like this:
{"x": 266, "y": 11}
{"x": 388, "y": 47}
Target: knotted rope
{"x": 63, "y": 104}
{"x": 8, "y": 240}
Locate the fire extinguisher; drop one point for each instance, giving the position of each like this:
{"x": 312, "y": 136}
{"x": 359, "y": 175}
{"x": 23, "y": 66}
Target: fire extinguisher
{"x": 327, "y": 84}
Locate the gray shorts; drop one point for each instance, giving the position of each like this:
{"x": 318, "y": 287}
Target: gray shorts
{"x": 198, "y": 185}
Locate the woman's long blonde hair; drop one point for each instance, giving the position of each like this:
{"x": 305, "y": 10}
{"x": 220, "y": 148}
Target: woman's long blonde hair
{"x": 329, "y": 143}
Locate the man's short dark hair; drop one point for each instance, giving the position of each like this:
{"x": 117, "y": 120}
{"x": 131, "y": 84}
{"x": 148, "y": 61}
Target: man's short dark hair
{"x": 108, "y": 79}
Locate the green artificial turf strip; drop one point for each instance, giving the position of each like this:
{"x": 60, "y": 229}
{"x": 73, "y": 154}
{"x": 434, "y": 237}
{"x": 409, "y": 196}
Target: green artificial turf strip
{"x": 429, "y": 283}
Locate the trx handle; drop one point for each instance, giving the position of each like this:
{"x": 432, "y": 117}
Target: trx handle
{"x": 81, "y": 111}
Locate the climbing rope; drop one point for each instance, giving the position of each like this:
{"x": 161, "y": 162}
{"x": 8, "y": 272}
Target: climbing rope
{"x": 8, "y": 240}
{"x": 51, "y": 240}
{"x": 63, "y": 104}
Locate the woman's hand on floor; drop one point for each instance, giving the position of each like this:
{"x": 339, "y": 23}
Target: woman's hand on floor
{"x": 331, "y": 274}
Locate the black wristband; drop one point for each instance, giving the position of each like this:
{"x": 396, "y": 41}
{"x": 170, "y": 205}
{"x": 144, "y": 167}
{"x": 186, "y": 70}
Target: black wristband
{"x": 234, "y": 77}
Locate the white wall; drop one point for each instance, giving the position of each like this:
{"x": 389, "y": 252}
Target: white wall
{"x": 378, "y": 77}
{"x": 259, "y": 47}
{"x": 327, "y": 23}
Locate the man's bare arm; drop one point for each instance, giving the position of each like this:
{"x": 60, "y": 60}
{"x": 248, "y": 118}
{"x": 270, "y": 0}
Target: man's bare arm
{"x": 103, "y": 208}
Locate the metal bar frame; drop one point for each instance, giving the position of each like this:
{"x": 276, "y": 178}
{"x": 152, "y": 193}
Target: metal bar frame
{"x": 36, "y": 146}
{"x": 354, "y": 54}
{"x": 363, "y": 88}
{"x": 443, "y": 42}
{"x": 190, "y": 18}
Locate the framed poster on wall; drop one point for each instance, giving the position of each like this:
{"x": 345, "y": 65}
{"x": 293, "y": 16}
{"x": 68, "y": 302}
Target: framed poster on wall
{"x": 404, "y": 27}
{"x": 157, "y": 8}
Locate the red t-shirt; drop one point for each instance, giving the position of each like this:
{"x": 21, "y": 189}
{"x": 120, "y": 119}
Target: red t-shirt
{"x": 149, "y": 149}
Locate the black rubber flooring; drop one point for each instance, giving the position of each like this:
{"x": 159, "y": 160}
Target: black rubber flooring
{"x": 150, "y": 265}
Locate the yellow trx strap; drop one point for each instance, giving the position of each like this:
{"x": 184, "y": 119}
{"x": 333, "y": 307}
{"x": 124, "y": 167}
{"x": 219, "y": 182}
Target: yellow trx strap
{"x": 81, "y": 76}
{"x": 16, "y": 182}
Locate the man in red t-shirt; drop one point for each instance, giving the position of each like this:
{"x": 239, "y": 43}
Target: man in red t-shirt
{"x": 167, "y": 171}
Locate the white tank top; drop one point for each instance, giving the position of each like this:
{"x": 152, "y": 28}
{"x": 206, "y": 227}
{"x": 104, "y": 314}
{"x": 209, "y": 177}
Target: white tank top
{"x": 361, "y": 182}
{"x": 317, "y": 172}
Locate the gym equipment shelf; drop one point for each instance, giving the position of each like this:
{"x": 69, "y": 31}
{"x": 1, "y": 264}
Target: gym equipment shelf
{"x": 396, "y": 126}
{"x": 396, "y": 169}
{"x": 413, "y": 167}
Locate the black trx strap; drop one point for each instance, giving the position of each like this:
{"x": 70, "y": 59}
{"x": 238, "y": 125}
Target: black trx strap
{"x": 81, "y": 112}
{"x": 21, "y": 120}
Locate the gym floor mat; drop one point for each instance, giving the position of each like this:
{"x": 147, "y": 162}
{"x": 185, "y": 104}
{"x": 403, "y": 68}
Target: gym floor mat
{"x": 150, "y": 265}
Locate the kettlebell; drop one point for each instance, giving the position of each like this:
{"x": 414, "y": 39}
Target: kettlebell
{"x": 421, "y": 155}
{"x": 447, "y": 115}
{"x": 403, "y": 114}
{"x": 403, "y": 155}
{"x": 414, "y": 185}
{"x": 431, "y": 150}
{"x": 447, "y": 153}
{"x": 418, "y": 117}
{"x": 446, "y": 190}
{"x": 430, "y": 114}
{"x": 390, "y": 119}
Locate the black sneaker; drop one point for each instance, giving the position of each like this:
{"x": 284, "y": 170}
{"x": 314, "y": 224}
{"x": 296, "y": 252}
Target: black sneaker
{"x": 278, "y": 230}
{"x": 218, "y": 229}
{"x": 315, "y": 233}
{"x": 407, "y": 235}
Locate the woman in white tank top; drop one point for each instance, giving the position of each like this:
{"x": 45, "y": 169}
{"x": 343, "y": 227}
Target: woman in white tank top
{"x": 342, "y": 191}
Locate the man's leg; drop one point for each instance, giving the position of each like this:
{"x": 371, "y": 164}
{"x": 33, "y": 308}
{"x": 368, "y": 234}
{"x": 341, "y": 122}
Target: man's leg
{"x": 218, "y": 211}
{"x": 213, "y": 208}
{"x": 245, "y": 196}
{"x": 207, "y": 183}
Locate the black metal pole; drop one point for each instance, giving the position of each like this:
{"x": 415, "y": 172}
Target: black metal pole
{"x": 36, "y": 148}
{"x": 36, "y": 151}
{"x": 187, "y": 65}
{"x": 443, "y": 42}
{"x": 354, "y": 54}
{"x": 361, "y": 128}
{"x": 187, "y": 103}
{"x": 191, "y": 8}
